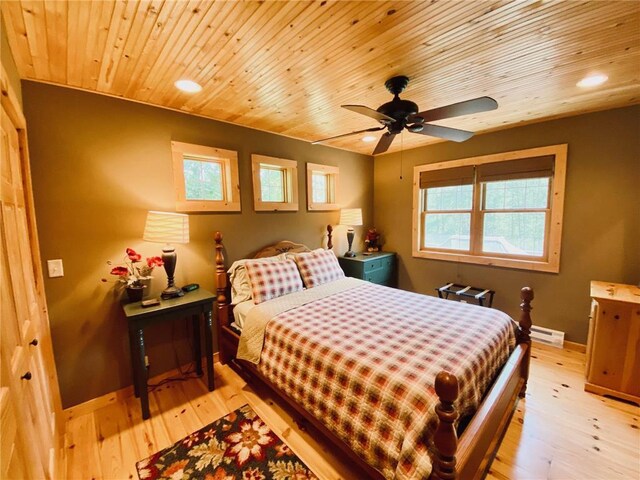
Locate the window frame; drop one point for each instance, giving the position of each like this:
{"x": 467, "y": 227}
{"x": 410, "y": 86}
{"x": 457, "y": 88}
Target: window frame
{"x": 550, "y": 260}
{"x": 333, "y": 175}
{"x": 290, "y": 194}
{"x": 228, "y": 159}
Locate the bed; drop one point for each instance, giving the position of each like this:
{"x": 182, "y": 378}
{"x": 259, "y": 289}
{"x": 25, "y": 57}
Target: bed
{"x": 353, "y": 359}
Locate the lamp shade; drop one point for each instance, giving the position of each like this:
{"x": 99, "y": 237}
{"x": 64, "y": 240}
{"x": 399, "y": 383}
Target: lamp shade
{"x": 351, "y": 216}
{"x": 166, "y": 227}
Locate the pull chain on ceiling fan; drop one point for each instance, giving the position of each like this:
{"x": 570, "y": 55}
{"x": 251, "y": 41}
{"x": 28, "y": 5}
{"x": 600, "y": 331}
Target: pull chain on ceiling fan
{"x": 398, "y": 115}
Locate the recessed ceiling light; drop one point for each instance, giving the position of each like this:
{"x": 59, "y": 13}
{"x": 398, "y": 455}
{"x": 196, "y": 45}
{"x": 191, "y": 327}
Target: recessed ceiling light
{"x": 368, "y": 138}
{"x": 188, "y": 86}
{"x": 592, "y": 80}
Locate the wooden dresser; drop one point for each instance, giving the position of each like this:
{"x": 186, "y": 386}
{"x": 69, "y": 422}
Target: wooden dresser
{"x": 613, "y": 349}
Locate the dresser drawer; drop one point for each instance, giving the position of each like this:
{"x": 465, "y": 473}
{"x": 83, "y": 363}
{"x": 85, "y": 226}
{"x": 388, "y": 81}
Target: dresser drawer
{"x": 374, "y": 264}
{"x": 381, "y": 276}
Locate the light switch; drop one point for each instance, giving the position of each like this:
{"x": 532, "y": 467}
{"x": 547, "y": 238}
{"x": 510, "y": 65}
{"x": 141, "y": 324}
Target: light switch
{"x": 55, "y": 268}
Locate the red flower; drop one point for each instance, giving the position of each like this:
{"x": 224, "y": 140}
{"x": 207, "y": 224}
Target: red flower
{"x": 120, "y": 271}
{"x": 154, "y": 262}
{"x": 133, "y": 256}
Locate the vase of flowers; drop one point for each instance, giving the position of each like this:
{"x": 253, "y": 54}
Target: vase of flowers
{"x": 133, "y": 272}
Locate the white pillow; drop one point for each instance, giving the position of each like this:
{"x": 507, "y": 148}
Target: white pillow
{"x": 240, "y": 286}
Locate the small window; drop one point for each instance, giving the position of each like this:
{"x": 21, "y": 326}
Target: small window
{"x": 275, "y": 183}
{"x": 503, "y": 209}
{"x": 322, "y": 187}
{"x": 206, "y": 178}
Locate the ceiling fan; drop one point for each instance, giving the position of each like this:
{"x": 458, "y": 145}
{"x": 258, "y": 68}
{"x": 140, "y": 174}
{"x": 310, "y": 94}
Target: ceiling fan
{"x": 399, "y": 114}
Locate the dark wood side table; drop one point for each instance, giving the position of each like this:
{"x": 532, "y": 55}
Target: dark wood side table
{"x": 198, "y": 304}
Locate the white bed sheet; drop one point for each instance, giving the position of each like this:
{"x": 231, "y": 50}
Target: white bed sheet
{"x": 240, "y": 312}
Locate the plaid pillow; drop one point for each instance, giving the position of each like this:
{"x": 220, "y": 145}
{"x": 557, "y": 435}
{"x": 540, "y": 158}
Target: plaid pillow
{"x": 240, "y": 286}
{"x": 272, "y": 279}
{"x": 318, "y": 267}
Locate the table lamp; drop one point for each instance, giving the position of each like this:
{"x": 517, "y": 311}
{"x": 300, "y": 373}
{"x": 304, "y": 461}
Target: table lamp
{"x": 350, "y": 217}
{"x": 168, "y": 228}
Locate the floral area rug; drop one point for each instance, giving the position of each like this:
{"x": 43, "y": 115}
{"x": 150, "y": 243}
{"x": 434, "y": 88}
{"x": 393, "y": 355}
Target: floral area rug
{"x": 238, "y": 446}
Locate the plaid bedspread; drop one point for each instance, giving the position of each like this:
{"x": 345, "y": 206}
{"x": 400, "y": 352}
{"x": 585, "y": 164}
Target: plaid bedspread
{"x": 364, "y": 362}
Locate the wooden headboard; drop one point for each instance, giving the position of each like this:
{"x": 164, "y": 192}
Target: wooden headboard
{"x": 283, "y": 246}
{"x": 223, "y": 288}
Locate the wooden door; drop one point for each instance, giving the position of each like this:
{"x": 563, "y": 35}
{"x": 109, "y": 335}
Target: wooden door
{"x": 28, "y": 382}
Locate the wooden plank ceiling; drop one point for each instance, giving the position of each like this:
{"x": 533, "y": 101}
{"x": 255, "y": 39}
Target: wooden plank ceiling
{"x": 286, "y": 67}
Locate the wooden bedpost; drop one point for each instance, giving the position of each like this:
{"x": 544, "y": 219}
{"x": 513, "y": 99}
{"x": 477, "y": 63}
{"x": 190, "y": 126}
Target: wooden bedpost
{"x": 445, "y": 439}
{"x": 222, "y": 300}
{"x": 524, "y": 333}
{"x": 329, "y": 235}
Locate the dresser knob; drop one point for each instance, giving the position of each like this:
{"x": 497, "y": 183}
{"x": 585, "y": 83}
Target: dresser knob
{"x": 26, "y": 376}
{"x": 34, "y": 342}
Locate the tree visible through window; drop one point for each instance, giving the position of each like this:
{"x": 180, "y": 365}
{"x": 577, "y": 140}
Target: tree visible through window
{"x": 448, "y": 220}
{"x": 503, "y": 209}
{"x": 515, "y": 216}
{"x": 322, "y": 187}
{"x": 203, "y": 180}
{"x": 272, "y": 183}
{"x": 275, "y": 183}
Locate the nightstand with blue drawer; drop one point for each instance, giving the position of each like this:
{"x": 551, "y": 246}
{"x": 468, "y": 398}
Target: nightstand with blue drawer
{"x": 379, "y": 267}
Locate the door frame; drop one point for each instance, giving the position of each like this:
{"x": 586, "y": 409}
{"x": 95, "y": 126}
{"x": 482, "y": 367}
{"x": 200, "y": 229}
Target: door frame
{"x": 12, "y": 107}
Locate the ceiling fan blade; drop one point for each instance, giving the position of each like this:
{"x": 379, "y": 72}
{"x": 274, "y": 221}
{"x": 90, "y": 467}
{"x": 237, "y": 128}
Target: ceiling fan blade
{"x": 445, "y": 132}
{"x": 369, "y": 112}
{"x": 482, "y": 104}
{"x": 384, "y": 143}
{"x": 374, "y": 129}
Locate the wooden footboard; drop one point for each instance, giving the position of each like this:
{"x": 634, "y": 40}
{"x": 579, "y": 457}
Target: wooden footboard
{"x": 470, "y": 458}
{"x": 467, "y": 458}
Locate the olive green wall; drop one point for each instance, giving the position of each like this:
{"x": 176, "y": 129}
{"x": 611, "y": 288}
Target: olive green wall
{"x": 98, "y": 165}
{"x": 8, "y": 63}
{"x": 601, "y": 232}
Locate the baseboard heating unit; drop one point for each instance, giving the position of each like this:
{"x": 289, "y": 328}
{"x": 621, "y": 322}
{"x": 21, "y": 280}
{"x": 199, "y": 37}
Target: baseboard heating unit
{"x": 555, "y": 338}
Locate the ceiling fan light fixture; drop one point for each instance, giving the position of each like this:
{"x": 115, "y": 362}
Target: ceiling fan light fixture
{"x": 592, "y": 80}
{"x": 188, "y": 86}
{"x": 399, "y": 115}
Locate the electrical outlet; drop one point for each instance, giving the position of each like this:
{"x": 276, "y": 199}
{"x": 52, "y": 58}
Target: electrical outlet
{"x": 55, "y": 268}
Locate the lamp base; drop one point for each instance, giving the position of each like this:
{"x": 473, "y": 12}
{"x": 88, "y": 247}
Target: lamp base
{"x": 350, "y": 234}
{"x": 171, "y": 292}
{"x": 170, "y": 258}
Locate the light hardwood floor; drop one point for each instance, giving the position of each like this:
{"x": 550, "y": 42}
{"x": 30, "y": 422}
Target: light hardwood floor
{"x": 558, "y": 432}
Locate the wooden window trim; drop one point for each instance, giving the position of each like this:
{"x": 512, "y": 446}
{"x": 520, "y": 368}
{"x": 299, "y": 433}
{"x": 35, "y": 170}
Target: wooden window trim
{"x": 230, "y": 178}
{"x": 550, "y": 261}
{"x": 333, "y": 174}
{"x": 290, "y": 168}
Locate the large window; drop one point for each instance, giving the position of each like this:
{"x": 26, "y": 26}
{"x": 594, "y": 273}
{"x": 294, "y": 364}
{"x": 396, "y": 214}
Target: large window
{"x": 206, "y": 178}
{"x": 503, "y": 209}
{"x": 275, "y": 183}
{"x": 322, "y": 187}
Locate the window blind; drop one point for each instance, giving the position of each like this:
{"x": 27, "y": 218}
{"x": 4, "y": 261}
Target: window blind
{"x": 447, "y": 177}
{"x": 535, "y": 167}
